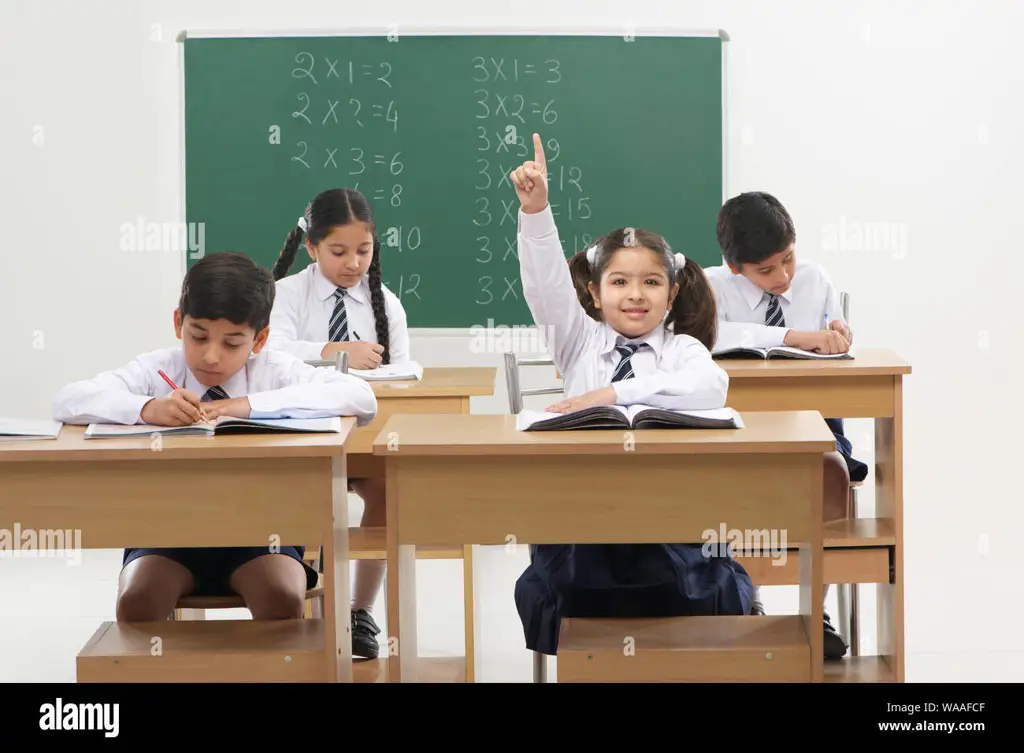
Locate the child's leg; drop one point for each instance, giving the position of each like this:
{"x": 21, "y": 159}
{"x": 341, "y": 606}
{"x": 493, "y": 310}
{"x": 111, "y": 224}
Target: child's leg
{"x": 151, "y": 584}
{"x": 834, "y": 506}
{"x": 272, "y": 585}
{"x": 369, "y": 574}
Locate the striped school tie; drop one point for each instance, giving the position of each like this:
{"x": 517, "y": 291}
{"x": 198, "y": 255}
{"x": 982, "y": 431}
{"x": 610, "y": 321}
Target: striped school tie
{"x": 774, "y": 317}
{"x": 339, "y": 319}
{"x": 214, "y": 393}
{"x": 625, "y": 369}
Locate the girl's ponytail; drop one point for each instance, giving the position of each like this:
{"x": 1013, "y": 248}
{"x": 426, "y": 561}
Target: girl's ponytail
{"x": 287, "y": 257}
{"x": 694, "y": 311}
{"x": 379, "y": 305}
{"x": 582, "y": 274}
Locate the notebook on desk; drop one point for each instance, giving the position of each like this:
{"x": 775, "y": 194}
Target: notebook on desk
{"x": 401, "y": 371}
{"x": 779, "y": 351}
{"x": 21, "y": 430}
{"x": 223, "y": 425}
{"x": 631, "y": 417}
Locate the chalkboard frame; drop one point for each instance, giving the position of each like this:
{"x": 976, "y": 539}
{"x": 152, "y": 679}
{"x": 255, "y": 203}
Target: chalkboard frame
{"x": 447, "y": 30}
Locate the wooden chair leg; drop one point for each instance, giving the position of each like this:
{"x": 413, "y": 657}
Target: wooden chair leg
{"x": 469, "y": 611}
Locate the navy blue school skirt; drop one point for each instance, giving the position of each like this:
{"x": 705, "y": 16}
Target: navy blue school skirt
{"x": 858, "y": 470}
{"x": 624, "y": 580}
{"x": 211, "y": 567}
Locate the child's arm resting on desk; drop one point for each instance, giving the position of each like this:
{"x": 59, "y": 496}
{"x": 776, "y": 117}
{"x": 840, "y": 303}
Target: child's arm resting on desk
{"x": 304, "y": 391}
{"x": 695, "y": 381}
{"x": 112, "y": 397}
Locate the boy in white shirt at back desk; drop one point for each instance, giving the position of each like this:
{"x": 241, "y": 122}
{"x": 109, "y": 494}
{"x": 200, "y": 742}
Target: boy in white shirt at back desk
{"x": 221, "y": 369}
{"x": 767, "y": 298}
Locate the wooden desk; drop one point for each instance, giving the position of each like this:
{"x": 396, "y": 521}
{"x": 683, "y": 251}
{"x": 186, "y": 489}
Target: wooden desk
{"x": 869, "y": 386}
{"x": 200, "y": 492}
{"x": 441, "y": 390}
{"x": 475, "y": 479}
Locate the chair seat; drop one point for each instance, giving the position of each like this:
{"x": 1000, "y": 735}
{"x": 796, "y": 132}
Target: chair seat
{"x": 234, "y": 601}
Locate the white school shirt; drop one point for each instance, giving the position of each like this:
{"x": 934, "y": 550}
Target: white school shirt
{"x": 676, "y": 372}
{"x": 742, "y": 306}
{"x": 303, "y": 307}
{"x": 277, "y": 384}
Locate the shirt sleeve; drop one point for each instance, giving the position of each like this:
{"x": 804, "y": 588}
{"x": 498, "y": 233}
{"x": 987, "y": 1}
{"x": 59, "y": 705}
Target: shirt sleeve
{"x": 692, "y": 381}
{"x": 285, "y": 325}
{"x": 113, "y": 397}
{"x": 549, "y": 291}
{"x": 398, "y": 329}
{"x": 304, "y": 391}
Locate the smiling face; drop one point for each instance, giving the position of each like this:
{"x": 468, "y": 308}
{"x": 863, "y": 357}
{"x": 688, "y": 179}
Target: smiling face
{"x": 635, "y": 291}
{"x": 344, "y": 254}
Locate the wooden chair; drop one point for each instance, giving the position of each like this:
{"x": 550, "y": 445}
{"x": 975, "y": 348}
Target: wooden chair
{"x": 515, "y": 404}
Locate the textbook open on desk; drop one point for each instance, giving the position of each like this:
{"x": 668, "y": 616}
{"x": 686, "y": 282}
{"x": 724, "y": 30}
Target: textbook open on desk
{"x": 388, "y": 373}
{"x": 631, "y": 417}
{"x": 221, "y": 426}
{"x": 779, "y": 351}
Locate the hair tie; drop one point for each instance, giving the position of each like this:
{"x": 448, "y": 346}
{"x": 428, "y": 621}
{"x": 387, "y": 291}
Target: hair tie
{"x": 302, "y": 224}
{"x": 680, "y": 261}
{"x": 592, "y": 255}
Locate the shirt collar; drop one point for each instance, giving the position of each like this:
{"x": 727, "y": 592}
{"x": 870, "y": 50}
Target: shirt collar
{"x": 236, "y": 386}
{"x": 324, "y": 288}
{"x": 753, "y": 295}
{"x": 655, "y": 339}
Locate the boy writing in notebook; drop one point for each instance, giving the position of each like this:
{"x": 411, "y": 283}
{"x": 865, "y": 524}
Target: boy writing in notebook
{"x": 766, "y": 297}
{"x": 221, "y": 369}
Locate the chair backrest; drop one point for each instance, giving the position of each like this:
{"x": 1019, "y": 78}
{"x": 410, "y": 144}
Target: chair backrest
{"x": 341, "y": 361}
{"x": 515, "y": 390}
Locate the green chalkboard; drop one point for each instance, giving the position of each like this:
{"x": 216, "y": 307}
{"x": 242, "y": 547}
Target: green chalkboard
{"x": 428, "y": 128}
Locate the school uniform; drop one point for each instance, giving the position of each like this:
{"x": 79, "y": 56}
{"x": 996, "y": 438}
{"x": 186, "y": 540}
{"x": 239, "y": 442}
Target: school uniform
{"x": 750, "y": 317}
{"x": 311, "y": 311}
{"x": 278, "y": 386}
{"x": 663, "y": 369}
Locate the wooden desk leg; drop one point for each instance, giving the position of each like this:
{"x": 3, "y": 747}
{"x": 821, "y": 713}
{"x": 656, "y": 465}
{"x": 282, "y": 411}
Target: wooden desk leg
{"x": 812, "y": 573}
{"x": 403, "y": 651}
{"x": 337, "y": 612}
{"x": 471, "y": 616}
{"x": 889, "y": 504}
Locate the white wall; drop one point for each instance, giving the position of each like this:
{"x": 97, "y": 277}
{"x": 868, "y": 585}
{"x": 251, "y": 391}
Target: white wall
{"x": 870, "y": 112}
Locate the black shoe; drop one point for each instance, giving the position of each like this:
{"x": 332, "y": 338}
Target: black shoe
{"x": 835, "y": 646}
{"x": 364, "y": 635}
{"x": 757, "y": 609}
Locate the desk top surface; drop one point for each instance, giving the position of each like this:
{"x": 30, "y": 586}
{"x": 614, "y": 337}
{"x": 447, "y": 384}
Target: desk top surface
{"x": 465, "y": 381}
{"x": 72, "y": 445}
{"x": 436, "y": 435}
{"x": 865, "y": 362}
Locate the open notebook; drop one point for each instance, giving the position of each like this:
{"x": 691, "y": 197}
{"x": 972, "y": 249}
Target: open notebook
{"x": 779, "y": 351}
{"x": 409, "y": 370}
{"x": 21, "y": 430}
{"x": 631, "y": 417}
{"x": 220, "y": 426}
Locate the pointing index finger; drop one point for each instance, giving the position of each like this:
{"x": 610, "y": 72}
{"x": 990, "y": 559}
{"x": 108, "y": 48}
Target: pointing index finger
{"x": 538, "y": 152}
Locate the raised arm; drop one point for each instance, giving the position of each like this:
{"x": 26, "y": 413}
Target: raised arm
{"x": 694, "y": 381}
{"x": 547, "y": 282}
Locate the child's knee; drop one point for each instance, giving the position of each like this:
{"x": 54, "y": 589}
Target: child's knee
{"x": 277, "y": 601}
{"x": 273, "y": 587}
{"x": 150, "y": 588}
{"x": 139, "y": 604}
{"x": 837, "y": 487}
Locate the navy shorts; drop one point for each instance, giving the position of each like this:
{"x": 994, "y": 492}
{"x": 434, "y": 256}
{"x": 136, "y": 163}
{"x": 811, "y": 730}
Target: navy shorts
{"x": 212, "y": 567}
{"x": 858, "y": 470}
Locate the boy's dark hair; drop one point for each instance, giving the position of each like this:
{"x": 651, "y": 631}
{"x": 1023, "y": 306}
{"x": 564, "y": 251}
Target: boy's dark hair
{"x": 752, "y": 227}
{"x": 340, "y": 206}
{"x": 694, "y": 311}
{"x": 228, "y": 285}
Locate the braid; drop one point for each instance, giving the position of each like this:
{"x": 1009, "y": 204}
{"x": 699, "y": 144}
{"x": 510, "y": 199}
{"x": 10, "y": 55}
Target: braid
{"x": 287, "y": 258}
{"x": 380, "y": 311}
